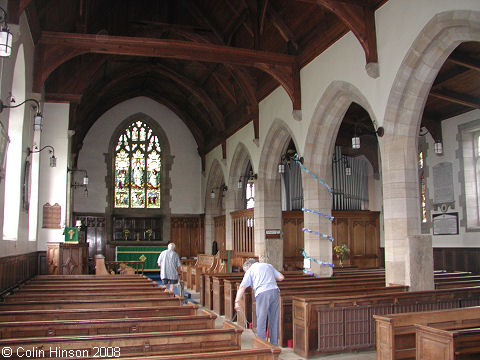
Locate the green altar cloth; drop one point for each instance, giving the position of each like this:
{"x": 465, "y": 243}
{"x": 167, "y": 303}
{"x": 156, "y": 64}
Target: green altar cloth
{"x": 139, "y": 253}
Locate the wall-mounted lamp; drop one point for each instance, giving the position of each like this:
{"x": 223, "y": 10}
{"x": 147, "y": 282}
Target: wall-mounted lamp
{"x": 53, "y": 159}
{"x": 438, "y": 147}
{"x": 356, "y": 138}
{"x": 223, "y": 188}
{"x": 240, "y": 183}
{"x": 285, "y": 159}
{"x": 251, "y": 177}
{"x": 37, "y": 119}
{"x": 84, "y": 180}
{"x": 6, "y": 37}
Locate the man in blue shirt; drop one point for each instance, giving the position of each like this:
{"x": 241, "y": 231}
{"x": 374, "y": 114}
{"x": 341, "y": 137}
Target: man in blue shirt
{"x": 262, "y": 277}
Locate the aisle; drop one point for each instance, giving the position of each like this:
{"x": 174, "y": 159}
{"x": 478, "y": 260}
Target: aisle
{"x": 287, "y": 353}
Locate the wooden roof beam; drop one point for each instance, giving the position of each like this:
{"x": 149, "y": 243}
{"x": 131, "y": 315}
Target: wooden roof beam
{"x": 282, "y": 28}
{"x": 359, "y": 16}
{"x": 54, "y": 49}
{"x": 456, "y": 98}
{"x": 465, "y": 61}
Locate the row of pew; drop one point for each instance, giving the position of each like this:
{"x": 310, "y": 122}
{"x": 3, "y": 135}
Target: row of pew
{"x": 115, "y": 316}
{"x": 336, "y": 314}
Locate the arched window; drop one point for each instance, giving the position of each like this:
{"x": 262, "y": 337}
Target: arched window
{"x": 137, "y": 168}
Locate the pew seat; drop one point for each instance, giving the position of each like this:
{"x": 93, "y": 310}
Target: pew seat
{"x": 396, "y": 332}
{"x": 436, "y": 344}
{"x": 47, "y": 328}
{"x": 132, "y": 344}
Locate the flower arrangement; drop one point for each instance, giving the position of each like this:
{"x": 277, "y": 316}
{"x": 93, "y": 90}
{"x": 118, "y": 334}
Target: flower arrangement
{"x": 341, "y": 251}
{"x": 126, "y": 232}
{"x": 149, "y": 233}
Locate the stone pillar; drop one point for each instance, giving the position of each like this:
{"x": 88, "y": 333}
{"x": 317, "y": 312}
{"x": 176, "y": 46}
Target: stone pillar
{"x": 419, "y": 263}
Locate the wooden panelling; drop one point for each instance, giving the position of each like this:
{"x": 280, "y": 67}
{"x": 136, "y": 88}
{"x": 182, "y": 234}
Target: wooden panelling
{"x": 358, "y": 229}
{"x": 361, "y": 232}
{"x": 16, "y": 269}
{"x": 220, "y": 235}
{"x": 67, "y": 259}
{"x": 457, "y": 259}
{"x": 188, "y": 235}
{"x": 242, "y": 231}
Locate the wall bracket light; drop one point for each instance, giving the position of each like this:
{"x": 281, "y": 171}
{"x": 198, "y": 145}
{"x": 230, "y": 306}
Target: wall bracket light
{"x": 37, "y": 119}
{"x": 223, "y": 188}
{"x": 356, "y": 137}
{"x": 53, "y": 159}
{"x": 286, "y": 158}
{"x": 6, "y": 37}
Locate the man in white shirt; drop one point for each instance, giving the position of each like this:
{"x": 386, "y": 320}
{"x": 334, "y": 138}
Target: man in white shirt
{"x": 169, "y": 263}
{"x": 262, "y": 277}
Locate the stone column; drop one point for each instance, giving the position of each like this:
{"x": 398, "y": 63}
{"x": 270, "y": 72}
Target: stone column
{"x": 419, "y": 263}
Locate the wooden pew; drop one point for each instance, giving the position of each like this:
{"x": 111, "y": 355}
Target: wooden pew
{"x": 261, "y": 350}
{"x": 323, "y": 324}
{"x": 87, "y": 277}
{"x": 63, "y": 287}
{"x": 395, "y": 333}
{"x": 98, "y": 313}
{"x": 133, "y": 344}
{"x": 205, "y": 263}
{"x": 87, "y": 295}
{"x": 433, "y": 343}
{"x": 45, "y": 328}
{"x": 86, "y": 304}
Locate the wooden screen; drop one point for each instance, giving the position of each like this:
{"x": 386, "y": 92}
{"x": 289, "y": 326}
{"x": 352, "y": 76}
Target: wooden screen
{"x": 361, "y": 232}
{"x": 242, "y": 232}
{"x": 292, "y": 224}
{"x": 188, "y": 235}
{"x": 220, "y": 236}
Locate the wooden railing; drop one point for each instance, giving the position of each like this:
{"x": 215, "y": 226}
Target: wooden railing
{"x": 242, "y": 231}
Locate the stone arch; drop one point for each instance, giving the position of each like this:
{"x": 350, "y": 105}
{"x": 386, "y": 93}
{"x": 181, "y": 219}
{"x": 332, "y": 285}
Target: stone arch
{"x": 216, "y": 206}
{"x": 166, "y": 185}
{"x": 417, "y": 72}
{"x": 319, "y": 147}
{"x": 268, "y": 207}
{"x": 234, "y": 199}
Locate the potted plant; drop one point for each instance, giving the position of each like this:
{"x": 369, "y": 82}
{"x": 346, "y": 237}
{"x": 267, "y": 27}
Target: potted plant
{"x": 149, "y": 233}
{"x": 341, "y": 251}
{"x": 126, "y": 232}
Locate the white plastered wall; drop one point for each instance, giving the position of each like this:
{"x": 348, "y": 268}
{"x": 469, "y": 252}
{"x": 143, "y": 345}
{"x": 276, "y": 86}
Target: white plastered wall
{"x": 185, "y": 175}
{"x": 22, "y": 36}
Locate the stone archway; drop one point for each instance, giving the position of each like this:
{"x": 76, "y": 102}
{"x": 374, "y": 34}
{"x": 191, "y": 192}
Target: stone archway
{"x": 234, "y": 199}
{"x": 268, "y": 207}
{"x": 406, "y": 102}
{"x": 319, "y": 148}
{"x": 213, "y": 206}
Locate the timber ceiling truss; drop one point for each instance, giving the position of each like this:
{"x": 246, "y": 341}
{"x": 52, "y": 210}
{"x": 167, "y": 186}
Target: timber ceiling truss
{"x": 209, "y": 61}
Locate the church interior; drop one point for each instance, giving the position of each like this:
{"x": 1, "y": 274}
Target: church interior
{"x": 337, "y": 140}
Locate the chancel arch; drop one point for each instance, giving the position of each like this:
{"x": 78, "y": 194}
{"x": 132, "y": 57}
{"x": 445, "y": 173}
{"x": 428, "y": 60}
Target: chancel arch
{"x": 319, "y": 150}
{"x": 403, "y": 115}
{"x": 138, "y": 178}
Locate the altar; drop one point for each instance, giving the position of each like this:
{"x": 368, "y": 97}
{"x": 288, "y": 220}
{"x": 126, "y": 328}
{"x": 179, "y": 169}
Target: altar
{"x": 149, "y": 254}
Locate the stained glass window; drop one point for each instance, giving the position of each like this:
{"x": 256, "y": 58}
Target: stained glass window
{"x": 137, "y": 168}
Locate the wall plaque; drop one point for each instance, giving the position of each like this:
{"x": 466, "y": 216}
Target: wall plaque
{"x": 51, "y": 216}
{"x": 443, "y": 183}
{"x": 272, "y": 233}
{"x": 445, "y": 224}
